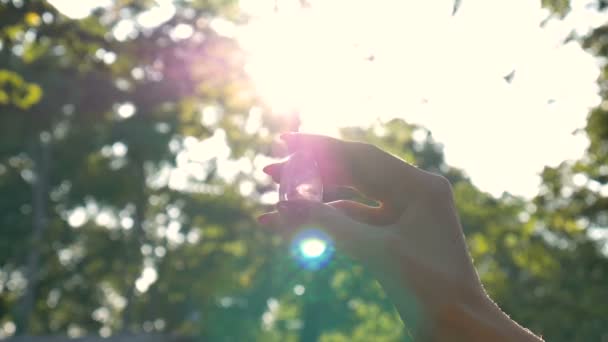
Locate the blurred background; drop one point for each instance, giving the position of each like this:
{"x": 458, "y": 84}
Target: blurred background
{"x": 133, "y": 134}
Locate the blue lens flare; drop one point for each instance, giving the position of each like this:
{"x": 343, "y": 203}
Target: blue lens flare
{"x": 312, "y": 249}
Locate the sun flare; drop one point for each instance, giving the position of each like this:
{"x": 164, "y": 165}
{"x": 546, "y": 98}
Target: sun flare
{"x": 339, "y": 63}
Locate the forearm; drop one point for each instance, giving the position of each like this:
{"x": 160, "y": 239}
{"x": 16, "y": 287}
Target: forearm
{"x": 460, "y": 323}
{"x": 482, "y": 321}
{"x": 434, "y": 308}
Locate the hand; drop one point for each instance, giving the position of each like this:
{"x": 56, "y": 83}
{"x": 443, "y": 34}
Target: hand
{"x": 413, "y": 242}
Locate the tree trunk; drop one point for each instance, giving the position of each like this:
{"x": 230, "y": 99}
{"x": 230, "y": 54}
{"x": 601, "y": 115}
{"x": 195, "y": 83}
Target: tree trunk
{"x": 135, "y": 240}
{"x": 40, "y": 198}
{"x": 312, "y": 315}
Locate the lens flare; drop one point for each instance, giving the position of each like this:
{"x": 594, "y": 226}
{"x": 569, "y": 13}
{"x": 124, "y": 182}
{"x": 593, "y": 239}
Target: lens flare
{"x": 312, "y": 249}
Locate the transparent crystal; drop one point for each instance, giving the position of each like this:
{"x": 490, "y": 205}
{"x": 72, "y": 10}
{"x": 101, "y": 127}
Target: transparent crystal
{"x": 301, "y": 179}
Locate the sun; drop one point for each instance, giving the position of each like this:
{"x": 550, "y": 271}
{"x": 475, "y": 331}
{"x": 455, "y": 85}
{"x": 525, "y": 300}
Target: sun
{"x": 313, "y": 247}
{"x": 342, "y": 63}
{"x": 300, "y": 63}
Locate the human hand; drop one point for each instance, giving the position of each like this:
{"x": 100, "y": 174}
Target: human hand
{"x": 413, "y": 242}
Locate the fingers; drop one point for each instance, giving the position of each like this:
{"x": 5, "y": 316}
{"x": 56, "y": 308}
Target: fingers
{"x": 377, "y": 216}
{"x": 292, "y": 214}
{"x": 274, "y": 171}
{"x": 374, "y": 172}
{"x": 352, "y": 236}
{"x": 330, "y": 154}
{"x": 271, "y": 220}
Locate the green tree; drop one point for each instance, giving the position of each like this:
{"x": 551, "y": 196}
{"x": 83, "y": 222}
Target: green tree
{"x": 132, "y": 165}
{"x": 115, "y": 120}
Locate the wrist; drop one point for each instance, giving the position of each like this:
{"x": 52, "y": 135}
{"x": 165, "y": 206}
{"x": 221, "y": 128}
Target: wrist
{"x": 439, "y": 306}
{"x": 477, "y": 320}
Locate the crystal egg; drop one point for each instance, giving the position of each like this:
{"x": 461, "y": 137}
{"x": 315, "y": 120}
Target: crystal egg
{"x": 301, "y": 179}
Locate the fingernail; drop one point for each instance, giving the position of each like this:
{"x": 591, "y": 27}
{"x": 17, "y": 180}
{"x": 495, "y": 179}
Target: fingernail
{"x": 267, "y": 169}
{"x": 263, "y": 219}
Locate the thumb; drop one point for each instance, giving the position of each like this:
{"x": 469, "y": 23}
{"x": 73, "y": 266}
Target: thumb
{"x": 347, "y": 233}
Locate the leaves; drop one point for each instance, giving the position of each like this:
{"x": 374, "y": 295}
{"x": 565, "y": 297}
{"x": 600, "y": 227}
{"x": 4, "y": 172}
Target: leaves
{"x": 17, "y": 92}
{"x": 559, "y": 7}
{"x": 150, "y": 223}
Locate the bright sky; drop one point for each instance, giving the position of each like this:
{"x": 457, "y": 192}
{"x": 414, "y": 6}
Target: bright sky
{"x": 443, "y": 72}
{"x": 430, "y": 68}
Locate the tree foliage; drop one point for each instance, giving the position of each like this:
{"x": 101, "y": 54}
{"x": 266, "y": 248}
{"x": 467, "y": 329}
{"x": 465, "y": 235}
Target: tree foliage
{"x": 130, "y": 174}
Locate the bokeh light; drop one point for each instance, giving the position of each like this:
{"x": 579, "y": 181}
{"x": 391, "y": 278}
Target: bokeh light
{"x": 312, "y": 249}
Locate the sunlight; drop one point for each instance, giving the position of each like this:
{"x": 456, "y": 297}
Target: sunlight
{"x": 340, "y": 63}
{"x": 161, "y": 12}
{"x": 312, "y": 248}
{"x": 147, "y": 278}
{"x": 79, "y": 9}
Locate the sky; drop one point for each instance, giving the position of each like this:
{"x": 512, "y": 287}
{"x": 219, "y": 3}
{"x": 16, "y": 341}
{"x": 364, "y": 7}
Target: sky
{"x": 343, "y": 63}
{"x": 442, "y": 71}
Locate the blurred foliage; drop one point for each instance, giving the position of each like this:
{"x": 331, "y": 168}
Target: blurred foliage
{"x": 130, "y": 179}
{"x": 15, "y": 91}
{"x": 559, "y": 7}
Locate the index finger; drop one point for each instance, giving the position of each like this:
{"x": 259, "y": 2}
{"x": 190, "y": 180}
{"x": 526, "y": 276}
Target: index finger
{"x": 365, "y": 167}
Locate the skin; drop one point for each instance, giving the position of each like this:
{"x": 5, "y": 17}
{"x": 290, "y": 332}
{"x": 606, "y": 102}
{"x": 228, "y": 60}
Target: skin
{"x": 412, "y": 242}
